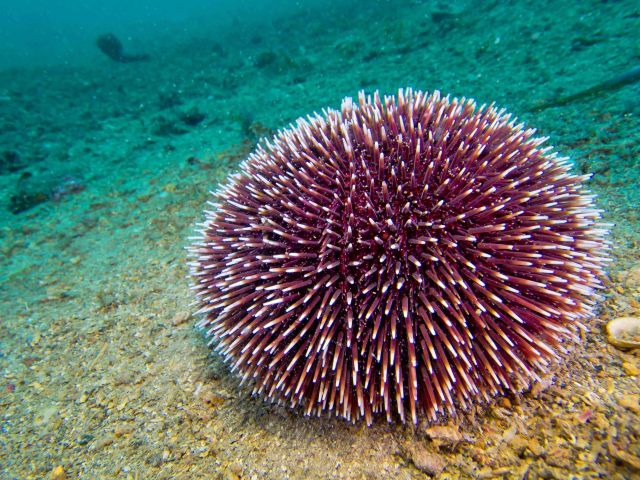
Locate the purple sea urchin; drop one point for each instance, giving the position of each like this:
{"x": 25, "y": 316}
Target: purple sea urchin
{"x": 401, "y": 256}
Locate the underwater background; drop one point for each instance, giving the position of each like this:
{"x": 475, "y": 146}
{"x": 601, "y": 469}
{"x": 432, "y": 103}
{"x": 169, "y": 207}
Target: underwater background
{"x": 116, "y": 120}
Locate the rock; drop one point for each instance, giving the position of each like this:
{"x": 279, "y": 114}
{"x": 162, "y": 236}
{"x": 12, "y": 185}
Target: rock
{"x": 58, "y": 473}
{"x": 180, "y": 318}
{"x": 10, "y": 162}
{"x": 631, "y": 278}
{"x": 154, "y": 460}
{"x": 539, "y": 387}
{"x": 561, "y": 458}
{"x": 427, "y": 461}
{"x": 446, "y": 434}
{"x": 120, "y": 431}
{"x": 510, "y": 433}
{"x": 533, "y": 445}
{"x": 192, "y": 117}
{"x": 264, "y": 59}
{"x": 68, "y": 185}
{"x": 85, "y": 439}
{"x": 46, "y": 416}
{"x": 24, "y": 200}
{"x": 631, "y": 401}
{"x": 163, "y": 126}
{"x": 104, "y": 442}
{"x": 624, "y": 456}
{"x": 630, "y": 369}
{"x": 585, "y": 415}
{"x": 236, "y": 469}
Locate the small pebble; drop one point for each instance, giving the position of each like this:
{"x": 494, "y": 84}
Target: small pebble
{"x": 426, "y": 461}
{"x": 104, "y": 442}
{"x": 510, "y": 433}
{"x": 585, "y": 415}
{"x": 631, "y": 369}
{"x": 155, "y": 460}
{"x": 631, "y": 277}
{"x": 85, "y": 439}
{"x": 120, "y": 431}
{"x": 58, "y": 473}
{"x": 625, "y": 456}
{"x": 180, "y": 318}
{"x": 446, "y": 434}
{"x": 632, "y": 402}
{"x": 539, "y": 387}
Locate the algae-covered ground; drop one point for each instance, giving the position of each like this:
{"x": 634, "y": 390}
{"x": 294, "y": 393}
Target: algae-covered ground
{"x": 106, "y": 167}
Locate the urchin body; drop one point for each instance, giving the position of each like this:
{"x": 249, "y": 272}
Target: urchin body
{"x": 405, "y": 255}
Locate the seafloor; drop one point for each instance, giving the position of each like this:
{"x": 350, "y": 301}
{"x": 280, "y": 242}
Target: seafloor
{"x": 105, "y": 168}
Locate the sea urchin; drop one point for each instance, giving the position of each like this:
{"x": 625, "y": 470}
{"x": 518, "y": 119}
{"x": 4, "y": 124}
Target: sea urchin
{"x": 405, "y": 255}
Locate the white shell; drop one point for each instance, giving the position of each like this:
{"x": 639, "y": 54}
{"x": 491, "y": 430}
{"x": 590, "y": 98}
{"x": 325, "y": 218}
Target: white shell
{"x": 620, "y": 329}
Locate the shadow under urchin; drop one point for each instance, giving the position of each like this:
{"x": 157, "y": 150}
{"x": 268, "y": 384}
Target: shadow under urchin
{"x": 406, "y": 255}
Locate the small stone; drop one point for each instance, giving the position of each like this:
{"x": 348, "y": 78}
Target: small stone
{"x": 236, "y": 469}
{"x": 494, "y": 473}
{"x": 426, "y": 461}
{"x": 192, "y": 117}
{"x": 155, "y": 460}
{"x": 560, "y": 458}
{"x": 28, "y": 361}
{"x": 58, "y": 473}
{"x": 123, "y": 378}
{"x": 103, "y": 442}
{"x": 535, "y": 448}
{"x": 180, "y": 318}
{"x": 631, "y": 369}
{"x": 229, "y": 475}
{"x": 600, "y": 421}
{"x": 541, "y": 386}
{"x": 631, "y": 277}
{"x": 213, "y": 399}
{"x": 446, "y": 434}
{"x": 519, "y": 444}
{"x": 510, "y": 433}
{"x": 631, "y": 401}
{"x": 626, "y": 457}
{"x": 120, "y": 431}
{"x": 586, "y": 414}
{"x": 46, "y": 416}
{"x": 85, "y": 439}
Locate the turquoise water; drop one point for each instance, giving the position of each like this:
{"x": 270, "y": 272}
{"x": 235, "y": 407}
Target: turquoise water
{"x": 105, "y": 166}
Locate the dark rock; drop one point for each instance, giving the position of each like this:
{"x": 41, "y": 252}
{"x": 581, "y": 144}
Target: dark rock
{"x": 10, "y": 162}
{"x": 67, "y": 186}
{"x": 154, "y": 460}
{"x": 85, "y": 439}
{"x": 24, "y": 200}
{"x": 164, "y": 127}
{"x": 192, "y": 117}
{"x": 169, "y": 99}
{"x": 112, "y": 48}
{"x": 265, "y": 59}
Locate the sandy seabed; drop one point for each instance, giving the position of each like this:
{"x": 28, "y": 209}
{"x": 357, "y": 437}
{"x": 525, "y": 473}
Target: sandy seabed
{"x": 107, "y": 167}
